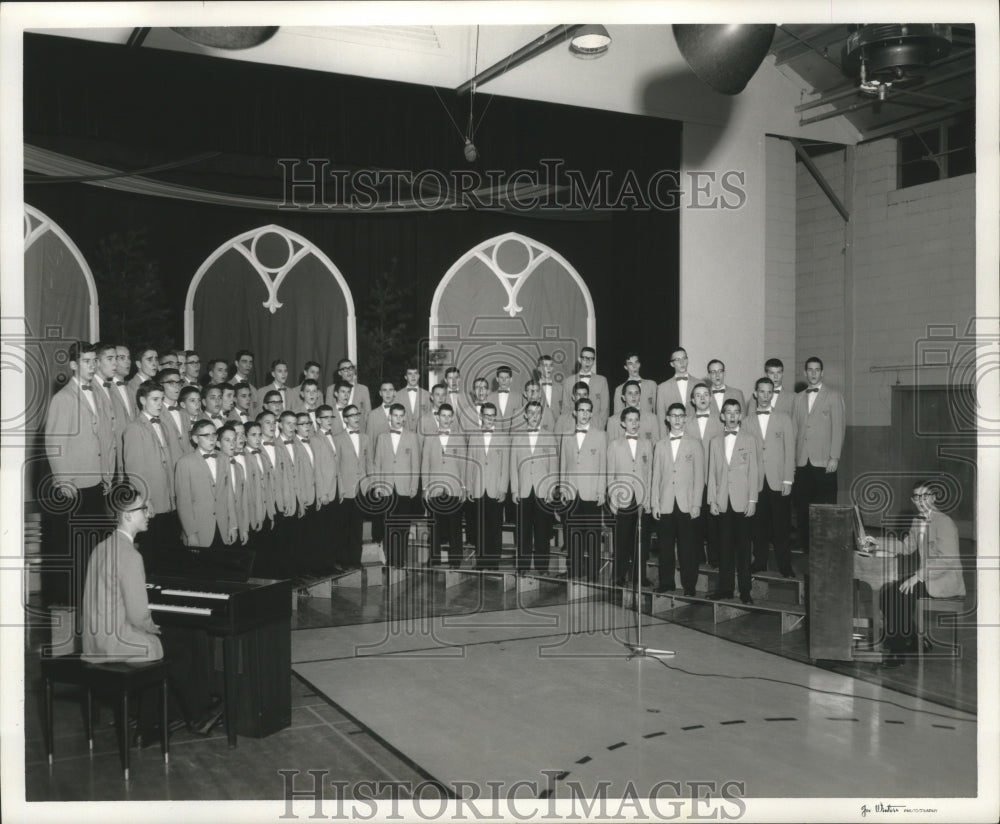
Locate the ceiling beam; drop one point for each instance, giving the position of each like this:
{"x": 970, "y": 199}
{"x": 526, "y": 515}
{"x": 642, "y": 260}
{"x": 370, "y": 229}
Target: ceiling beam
{"x": 811, "y": 39}
{"x": 863, "y": 104}
{"x": 905, "y": 124}
{"x": 822, "y": 181}
{"x": 540, "y": 44}
{"x": 137, "y": 37}
{"x": 846, "y": 91}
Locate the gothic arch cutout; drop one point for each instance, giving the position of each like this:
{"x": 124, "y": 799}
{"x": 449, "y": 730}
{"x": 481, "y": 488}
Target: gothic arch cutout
{"x": 50, "y": 252}
{"x": 505, "y": 301}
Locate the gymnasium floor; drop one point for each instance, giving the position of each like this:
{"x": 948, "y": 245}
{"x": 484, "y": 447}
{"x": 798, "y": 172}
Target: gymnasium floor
{"x": 421, "y": 687}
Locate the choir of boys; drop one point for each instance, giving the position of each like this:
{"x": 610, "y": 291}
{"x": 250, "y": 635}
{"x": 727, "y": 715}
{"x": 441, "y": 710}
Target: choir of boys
{"x": 293, "y": 478}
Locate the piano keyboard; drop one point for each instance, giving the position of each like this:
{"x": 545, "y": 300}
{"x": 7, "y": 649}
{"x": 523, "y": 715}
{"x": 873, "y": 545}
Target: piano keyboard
{"x": 190, "y": 593}
{"x": 181, "y": 608}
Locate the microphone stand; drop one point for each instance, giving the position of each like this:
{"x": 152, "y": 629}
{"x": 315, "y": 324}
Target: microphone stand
{"x": 637, "y": 650}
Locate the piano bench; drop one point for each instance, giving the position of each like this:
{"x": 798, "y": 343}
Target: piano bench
{"x": 940, "y": 607}
{"x": 114, "y": 677}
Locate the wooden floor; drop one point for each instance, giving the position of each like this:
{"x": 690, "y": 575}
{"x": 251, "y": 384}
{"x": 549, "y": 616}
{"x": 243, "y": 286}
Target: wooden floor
{"x": 420, "y": 686}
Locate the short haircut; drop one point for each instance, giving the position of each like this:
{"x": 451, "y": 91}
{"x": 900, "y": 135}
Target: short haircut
{"x": 504, "y": 370}
{"x": 766, "y": 380}
{"x": 145, "y": 388}
{"x": 629, "y": 383}
{"x": 632, "y": 355}
{"x": 77, "y": 348}
{"x": 814, "y": 359}
{"x": 699, "y": 385}
{"x": 544, "y": 358}
{"x": 273, "y": 395}
{"x": 278, "y": 362}
{"x": 349, "y": 407}
{"x": 308, "y": 382}
{"x": 262, "y": 415}
{"x": 590, "y": 349}
{"x": 166, "y": 373}
{"x": 532, "y": 405}
{"x": 187, "y": 391}
{"x": 226, "y": 427}
{"x": 397, "y": 406}
{"x": 446, "y": 407}
{"x": 243, "y": 386}
{"x": 677, "y": 349}
{"x": 437, "y": 386}
{"x": 102, "y": 346}
{"x": 531, "y": 382}
{"x": 199, "y": 425}
{"x": 242, "y": 353}
{"x": 342, "y": 361}
{"x": 141, "y": 353}
{"x": 773, "y": 363}
{"x": 492, "y": 407}
{"x": 339, "y": 384}
{"x": 310, "y": 364}
{"x": 286, "y": 414}
{"x": 302, "y": 417}
{"x": 674, "y": 406}
{"x": 189, "y": 353}
{"x": 716, "y": 360}
{"x": 581, "y": 401}
{"x": 451, "y": 370}
{"x": 227, "y": 387}
{"x": 385, "y": 381}
{"x": 626, "y": 411}
{"x": 214, "y": 361}
{"x": 324, "y": 407}
{"x": 732, "y": 402}
{"x": 581, "y": 385}
{"x": 254, "y": 424}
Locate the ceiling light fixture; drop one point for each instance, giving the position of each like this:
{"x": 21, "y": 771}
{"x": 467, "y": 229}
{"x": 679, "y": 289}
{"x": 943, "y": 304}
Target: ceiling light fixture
{"x": 589, "y": 41}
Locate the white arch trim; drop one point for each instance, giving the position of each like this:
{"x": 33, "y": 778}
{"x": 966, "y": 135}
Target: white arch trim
{"x": 43, "y": 223}
{"x": 512, "y": 283}
{"x": 273, "y": 277}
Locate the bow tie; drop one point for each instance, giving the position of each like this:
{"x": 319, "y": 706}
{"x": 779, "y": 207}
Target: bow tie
{"x": 681, "y": 378}
{"x": 87, "y": 388}
{"x": 676, "y": 437}
{"x": 546, "y": 383}
{"x": 207, "y": 455}
{"x": 731, "y": 432}
{"x": 444, "y": 432}
{"x": 232, "y": 461}
{"x": 702, "y": 415}
{"x": 578, "y": 431}
{"x": 763, "y": 411}
{"x": 108, "y": 383}
{"x": 718, "y": 391}
{"x": 350, "y": 432}
{"x": 217, "y": 416}
{"x": 287, "y": 442}
{"x": 503, "y": 391}
{"x": 386, "y": 408}
{"x": 254, "y": 451}
{"x": 304, "y": 440}
{"x": 814, "y": 389}
{"x": 532, "y": 431}
{"x": 412, "y": 388}
{"x": 173, "y": 409}
{"x": 242, "y": 414}
{"x": 396, "y": 431}
{"x": 631, "y": 437}
{"x": 777, "y": 389}
{"x": 119, "y": 383}
{"x": 154, "y": 419}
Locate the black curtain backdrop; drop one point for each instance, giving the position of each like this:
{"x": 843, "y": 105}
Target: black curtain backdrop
{"x": 131, "y": 109}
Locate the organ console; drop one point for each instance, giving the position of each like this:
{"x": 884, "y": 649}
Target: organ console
{"x": 251, "y": 618}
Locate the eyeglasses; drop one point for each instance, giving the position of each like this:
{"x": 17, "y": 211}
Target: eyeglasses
{"x": 143, "y": 508}
{"x": 172, "y": 380}
{"x": 353, "y": 415}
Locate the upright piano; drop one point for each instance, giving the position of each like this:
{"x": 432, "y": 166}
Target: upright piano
{"x": 212, "y": 591}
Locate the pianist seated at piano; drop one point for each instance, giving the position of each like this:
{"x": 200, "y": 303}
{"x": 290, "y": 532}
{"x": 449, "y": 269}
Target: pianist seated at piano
{"x": 119, "y": 627}
{"x": 934, "y": 537}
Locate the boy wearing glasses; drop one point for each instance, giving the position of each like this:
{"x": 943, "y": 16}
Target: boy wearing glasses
{"x": 359, "y": 395}
{"x": 206, "y": 500}
{"x": 934, "y": 536}
{"x": 599, "y": 395}
{"x": 118, "y": 625}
